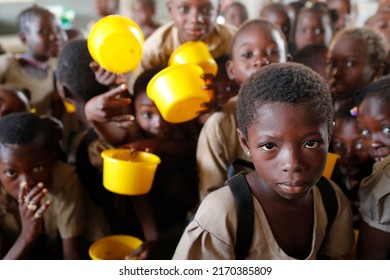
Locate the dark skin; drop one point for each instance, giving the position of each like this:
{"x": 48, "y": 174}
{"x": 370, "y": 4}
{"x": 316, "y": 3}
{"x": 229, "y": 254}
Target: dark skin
{"x": 25, "y": 171}
{"x": 288, "y": 163}
{"x": 12, "y": 101}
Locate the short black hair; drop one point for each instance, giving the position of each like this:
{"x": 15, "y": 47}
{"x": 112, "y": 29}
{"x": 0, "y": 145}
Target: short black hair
{"x": 28, "y": 15}
{"x": 25, "y": 128}
{"x": 143, "y": 80}
{"x": 74, "y": 71}
{"x": 291, "y": 83}
{"x": 379, "y": 88}
{"x": 259, "y": 22}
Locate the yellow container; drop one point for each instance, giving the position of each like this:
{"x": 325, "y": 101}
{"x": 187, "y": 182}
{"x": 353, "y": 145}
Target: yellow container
{"x": 178, "y": 92}
{"x": 127, "y": 173}
{"x": 115, "y": 42}
{"x": 330, "y": 164}
{"x": 115, "y": 247}
{"x": 194, "y": 52}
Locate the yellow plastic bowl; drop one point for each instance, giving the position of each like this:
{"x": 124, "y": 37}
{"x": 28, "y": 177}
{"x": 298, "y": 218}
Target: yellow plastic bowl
{"x": 115, "y": 42}
{"x": 194, "y": 52}
{"x": 178, "y": 92}
{"x": 115, "y": 247}
{"x": 129, "y": 174}
{"x": 330, "y": 164}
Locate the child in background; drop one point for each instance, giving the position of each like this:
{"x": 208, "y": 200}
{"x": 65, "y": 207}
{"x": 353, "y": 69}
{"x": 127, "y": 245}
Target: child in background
{"x": 257, "y": 43}
{"x": 42, "y": 35}
{"x": 374, "y": 125}
{"x": 33, "y": 191}
{"x": 313, "y": 56}
{"x": 143, "y": 12}
{"x": 381, "y": 22}
{"x": 223, "y": 87}
{"x": 13, "y": 100}
{"x": 355, "y": 163}
{"x": 280, "y": 15}
{"x": 344, "y": 10}
{"x": 174, "y": 190}
{"x": 192, "y": 20}
{"x": 284, "y": 114}
{"x": 356, "y": 57}
{"x": 103, "y": 8}
{"x": 235, "y": 14}
{"x": 77, "y": 84}
{"x": 314, "y": 26}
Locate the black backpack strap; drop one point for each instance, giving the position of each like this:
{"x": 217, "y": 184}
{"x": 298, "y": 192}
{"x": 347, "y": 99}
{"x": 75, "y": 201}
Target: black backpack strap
{"x": 329, "y": 198}
{"x": 238, "y": 165}
{"x": 243, "y": 199}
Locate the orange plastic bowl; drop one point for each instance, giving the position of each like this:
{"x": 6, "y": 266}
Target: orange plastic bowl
{"x": 115, "y": 247}
{"x": 330, "y": 164}
{"x": 115, "y": 42}
{"x": 178, "y": 92}
{"x": 127, "y": 173}
{"x": 194, "y": 52}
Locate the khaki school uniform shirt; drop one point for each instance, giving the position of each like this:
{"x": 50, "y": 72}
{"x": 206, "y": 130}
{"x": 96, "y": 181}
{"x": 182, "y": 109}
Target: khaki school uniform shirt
{"x": 218, "y": 146}
{"x": 212, "y": 233}
{"x": 374, "y": 195}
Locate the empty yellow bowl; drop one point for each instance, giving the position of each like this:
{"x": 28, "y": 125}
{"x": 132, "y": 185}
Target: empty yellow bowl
{"x": 127, "y": 173}
{"x": 115, "y": 247}
{"x": 330, "y": 164}
{"x": 115, "y": 42}
{"x": 178, "y": 92}
{"x": 194, "y": 52}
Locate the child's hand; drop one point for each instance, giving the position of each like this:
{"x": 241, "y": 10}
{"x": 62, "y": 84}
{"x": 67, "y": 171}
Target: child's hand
{"x": 108, "y": 107}
{"x": 31, "y": 210}
{"x": 211, "y": 88}
{"x": 105, "y": 77}
{"x": 144, "y": 251}
{"x": 146, "y": 145}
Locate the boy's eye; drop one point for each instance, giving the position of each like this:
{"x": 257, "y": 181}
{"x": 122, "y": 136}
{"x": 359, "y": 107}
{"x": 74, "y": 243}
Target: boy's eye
{"x": 351, "y": 64}
{"x": 38, "y": 168}
{"x": 331, "y": 63}
{"x": 365, "y": 132}
{"x": 268, "y": 147}
{"x": 311, "y": 144}
{"x": 10, "y": 173}
{"x": 358, "y": 146}
{"x": 338, "y": 145}
{"x": 386, "y": 130}
{"x": 206, "y": 11}
{"x": 247, "y": 54}
{"x": 318, "y": 31}
{"x": 184, "y": 9}
{"x": 272, "y": 52}
{"x": 147, "y": 115}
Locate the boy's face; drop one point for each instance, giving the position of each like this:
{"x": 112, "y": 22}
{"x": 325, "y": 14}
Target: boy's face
{"x": 24, "y": 163}
{"x": 343, "y": 8}
{"x": 349, "y": 67}
{"x": 44, "y": 38}
{"x": 312, "y": 29}
{"x": 11, "y": 103}
{"x": 255, "y": 47}
{"x": 149, "y": 118}
{"x": 194, "y": 19}
{"x": 374, "y": 124}
{"x": 348, "y": 143}
{"x": 288, "y": 146}
{"x": 143, "y": 13}
{"x": 280, "y": 19}
{"x": 381, "y": 23}
{"x": 105, "y": 7}
{"x": 234, "y": 15}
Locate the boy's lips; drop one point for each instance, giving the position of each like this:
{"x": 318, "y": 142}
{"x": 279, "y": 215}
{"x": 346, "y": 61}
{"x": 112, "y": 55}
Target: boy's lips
{"x": 195, "y": 32}
{"x": 294, "y": 186}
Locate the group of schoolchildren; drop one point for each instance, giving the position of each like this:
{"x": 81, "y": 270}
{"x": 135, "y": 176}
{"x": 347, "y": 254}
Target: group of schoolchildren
{"x": 292, "y": 85}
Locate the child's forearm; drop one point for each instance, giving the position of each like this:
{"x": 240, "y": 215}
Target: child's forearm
{"x": 145, "y": 213}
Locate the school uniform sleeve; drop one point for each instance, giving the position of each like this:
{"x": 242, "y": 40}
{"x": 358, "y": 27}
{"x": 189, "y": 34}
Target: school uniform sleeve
{"x": 218, "y": 146}
{"x": 211, "y": 235}
{"x": 339, "y": 240}
{"x": 375, "y": 196}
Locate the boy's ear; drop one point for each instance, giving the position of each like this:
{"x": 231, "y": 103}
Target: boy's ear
{"x": 379, "y": 69}
{"x": 230, "y": 70}
{"x": 64, "y": 91}
{"x": 169, "y": 6}
{"x": 243, "y": 141}
{"x": 22, "y": 37}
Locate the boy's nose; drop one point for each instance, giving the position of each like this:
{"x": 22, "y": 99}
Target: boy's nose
{"x": 196, "y": 16}
{"x": 261, "y": 60}
{"x": 290, "y": 162}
